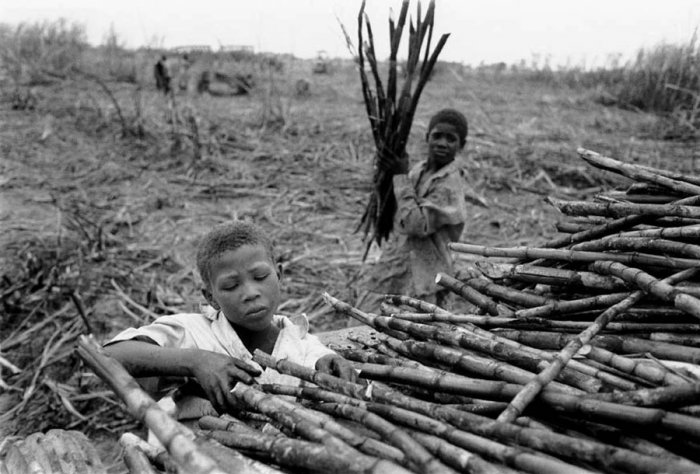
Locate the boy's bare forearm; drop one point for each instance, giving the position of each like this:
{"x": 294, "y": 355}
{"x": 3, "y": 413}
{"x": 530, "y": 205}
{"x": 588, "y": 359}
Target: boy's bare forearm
{"x": 142, "y": 359}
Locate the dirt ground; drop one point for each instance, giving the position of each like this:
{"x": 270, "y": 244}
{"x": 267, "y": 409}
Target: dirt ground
{"x": 114, "y": 219}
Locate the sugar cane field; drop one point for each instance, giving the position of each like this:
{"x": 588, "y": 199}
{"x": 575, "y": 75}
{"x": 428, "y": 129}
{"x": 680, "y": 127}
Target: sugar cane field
{"x": 578, "y": 347}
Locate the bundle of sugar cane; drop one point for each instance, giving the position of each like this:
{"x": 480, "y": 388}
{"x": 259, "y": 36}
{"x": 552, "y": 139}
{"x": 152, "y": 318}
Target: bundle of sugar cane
{"x": 390, "y": 116}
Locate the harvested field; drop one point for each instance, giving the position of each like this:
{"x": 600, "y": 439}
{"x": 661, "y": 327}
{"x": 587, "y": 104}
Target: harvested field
{"x": 100, "y": 215}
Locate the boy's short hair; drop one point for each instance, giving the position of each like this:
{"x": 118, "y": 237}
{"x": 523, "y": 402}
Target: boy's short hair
{"x": 453, "y": 117}
{"x": 229, "y": 236}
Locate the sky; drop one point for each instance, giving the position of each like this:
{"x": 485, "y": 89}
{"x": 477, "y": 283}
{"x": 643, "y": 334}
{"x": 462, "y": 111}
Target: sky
{"x": 581, "y": 33}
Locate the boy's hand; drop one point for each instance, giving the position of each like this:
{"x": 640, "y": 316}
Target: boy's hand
{"x": 401, "y": 164}
{"x": 218, "y": 373}
{"x": 394, "y": 164}
{"x": 335, "y": 365}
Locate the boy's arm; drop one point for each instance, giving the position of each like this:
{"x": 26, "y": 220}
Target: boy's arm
{"x": 216, "y": 373}
{"x": 329, "y": 361}
{"x": 318, "y": 355}
{"x": 144, "y": 359}
{"x": 421, "y": 217}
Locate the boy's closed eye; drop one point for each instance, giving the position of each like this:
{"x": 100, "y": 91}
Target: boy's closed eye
{"x": 228, "y": 285}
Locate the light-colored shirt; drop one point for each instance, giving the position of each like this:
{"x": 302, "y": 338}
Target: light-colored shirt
{"x": 211, "y": 331}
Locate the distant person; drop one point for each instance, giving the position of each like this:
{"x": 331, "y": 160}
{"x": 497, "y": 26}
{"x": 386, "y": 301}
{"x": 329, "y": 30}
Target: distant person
{"x": 161, "y": 71}
{"x": 431, "y": 212}
{"x": 241, "y": 283}
{"x": 185, "y": 72}
{"x": 204, "y": 82}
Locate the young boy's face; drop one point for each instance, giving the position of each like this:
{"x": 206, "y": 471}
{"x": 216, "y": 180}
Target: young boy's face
{"x": 245, "y": 287}
{"x": 443, "y": 144}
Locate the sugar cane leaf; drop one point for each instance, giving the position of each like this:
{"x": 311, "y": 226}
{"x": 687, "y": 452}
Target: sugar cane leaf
{"x": 421, "y": 84}
{"x": 395, "y": 39}
{"x": 378, "y": 86}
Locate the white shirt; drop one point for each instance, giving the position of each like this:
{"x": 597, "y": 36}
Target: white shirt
{"x": 211, "y": 331}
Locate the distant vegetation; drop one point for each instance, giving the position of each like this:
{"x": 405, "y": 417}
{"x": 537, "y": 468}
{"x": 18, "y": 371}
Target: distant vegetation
{"x": 664, "y": 79}
{"x": 30, "y": 51}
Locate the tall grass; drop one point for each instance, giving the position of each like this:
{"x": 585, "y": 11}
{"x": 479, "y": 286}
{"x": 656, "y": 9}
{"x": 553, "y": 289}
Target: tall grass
{"x": 33, "y": 53}
{"x": 664, "y": 79}
{"x": 112, "y": 60}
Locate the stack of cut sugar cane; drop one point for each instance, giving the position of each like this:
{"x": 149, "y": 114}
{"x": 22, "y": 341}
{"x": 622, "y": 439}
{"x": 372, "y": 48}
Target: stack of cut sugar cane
{"x": 591, "y": 339}
{"x": 579, "y": 356}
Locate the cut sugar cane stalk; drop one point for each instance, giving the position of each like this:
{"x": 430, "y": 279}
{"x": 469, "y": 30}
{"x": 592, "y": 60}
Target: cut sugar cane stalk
{"x": 595, "y": 409}
{"x": 137, "y": 462}
{"x": 480, "y": 283}
{"x": 366, "y": 445}
{"x": 517, "y": 406}
{"x": 549, "y": 276}
{"x": 649, "y": 245}
{"x": 519, "y": 459}
{"x": 692, "y": 179}
{"x": 672, "y": 396}
{"x": 614, "y": 209}
{"x": 653, "y": 331}
{"x": 174, "y": 436}
{"x": 467, "y": 440}
{"x": 684, "y": 232}
{"x": 486, "y": 341}
{"x": 614, "y": 343}
{"x": 637, "y": 172}
{"x": 461, "y": 359}
{"x": 659, "y": 288}
{"x": 156, "y": 456}
{"x": 572, "y": 306}
{"x": 612, "y": 227}
{"x": 457, "y": 457}
{"x": 287, "y": 452}
{"x": 472, "y": 295}
{"x": 474, "y": 444}
{"x": 500, "y": 369}
{"x": 608, "y": 412}
{"x": 300, "y": 422}
{"x": 553, "y": 443}
{"x": 420, "y": 457}
{"x": 574, "y": 255}
{"x": 654, "y": 373}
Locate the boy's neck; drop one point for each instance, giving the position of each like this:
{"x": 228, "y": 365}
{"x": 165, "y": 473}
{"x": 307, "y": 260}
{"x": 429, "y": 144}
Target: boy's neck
{"x": 432, "y": 167}
{"x": 264, "y": 340}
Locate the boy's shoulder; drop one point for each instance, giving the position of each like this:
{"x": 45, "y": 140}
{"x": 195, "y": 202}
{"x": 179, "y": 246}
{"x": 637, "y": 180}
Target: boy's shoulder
{"x": 205, "y": 317}
{"x": 297, "y": 321}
